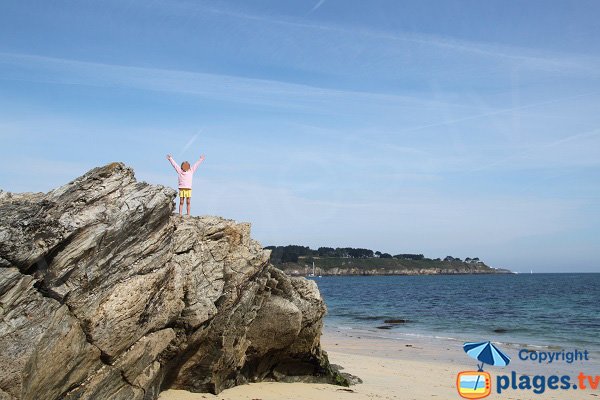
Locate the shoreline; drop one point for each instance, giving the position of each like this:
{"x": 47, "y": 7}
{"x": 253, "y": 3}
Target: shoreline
{"x": 505, "y": 340}
{"x": 449, "y": 350}
{"x": 399, "y": 368}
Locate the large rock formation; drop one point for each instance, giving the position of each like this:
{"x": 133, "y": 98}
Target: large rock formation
{"x": 104, "y": 294}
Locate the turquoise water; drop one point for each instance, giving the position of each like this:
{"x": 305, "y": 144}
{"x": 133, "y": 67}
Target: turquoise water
{"x": 535, "y": 309}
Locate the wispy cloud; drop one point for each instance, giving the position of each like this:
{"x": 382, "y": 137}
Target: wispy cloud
{"x": 524, "y": 57}
{"x": 230, "y": 88}
{"x": 235, "y": 89}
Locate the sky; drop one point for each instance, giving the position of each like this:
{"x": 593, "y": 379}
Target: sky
{"x": 462, "y": 128}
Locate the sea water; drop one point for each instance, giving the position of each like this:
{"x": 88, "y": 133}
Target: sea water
{"x": 545, "y": 310}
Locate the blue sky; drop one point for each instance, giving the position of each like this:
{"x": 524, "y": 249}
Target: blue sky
{"x": 462, "y": 128}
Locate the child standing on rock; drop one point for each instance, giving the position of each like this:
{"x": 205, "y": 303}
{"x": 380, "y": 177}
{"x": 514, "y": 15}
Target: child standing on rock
{"x": 185, "y": 175}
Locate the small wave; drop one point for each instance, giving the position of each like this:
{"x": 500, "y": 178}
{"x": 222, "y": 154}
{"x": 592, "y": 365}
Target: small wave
{"x": 446, "y": 337}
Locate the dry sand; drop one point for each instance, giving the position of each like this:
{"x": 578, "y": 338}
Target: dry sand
{"x": 407, "y": 368}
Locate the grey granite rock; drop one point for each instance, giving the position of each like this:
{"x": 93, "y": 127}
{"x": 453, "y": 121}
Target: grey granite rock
{"x": 105, "y": 294}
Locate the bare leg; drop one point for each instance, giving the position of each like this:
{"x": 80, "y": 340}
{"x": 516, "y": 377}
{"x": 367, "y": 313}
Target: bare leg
{"x": 189, "y": 201}
{"x": 180, "y": 205}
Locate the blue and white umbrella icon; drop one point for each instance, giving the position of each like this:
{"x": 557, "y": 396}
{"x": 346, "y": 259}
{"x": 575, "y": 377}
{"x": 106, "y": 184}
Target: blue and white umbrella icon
{"x": 487, "y": 353}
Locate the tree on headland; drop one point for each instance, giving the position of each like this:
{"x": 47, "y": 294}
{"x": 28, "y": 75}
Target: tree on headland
{"x": 326, "y": 251}
{"x": 282, "y": 254}
{"x": 359, "y": 253}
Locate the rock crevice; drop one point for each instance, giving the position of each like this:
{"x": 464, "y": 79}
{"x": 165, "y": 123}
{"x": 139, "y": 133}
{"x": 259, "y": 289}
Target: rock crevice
{"x": 105, "y": 294}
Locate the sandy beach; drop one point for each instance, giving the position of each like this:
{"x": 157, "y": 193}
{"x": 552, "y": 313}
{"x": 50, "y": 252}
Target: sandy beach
{"x": 405, "y": 368}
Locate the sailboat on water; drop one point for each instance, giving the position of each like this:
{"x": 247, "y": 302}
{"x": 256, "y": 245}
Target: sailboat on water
{"x": 313, "y": 270}
{"x": 312, "y": 274}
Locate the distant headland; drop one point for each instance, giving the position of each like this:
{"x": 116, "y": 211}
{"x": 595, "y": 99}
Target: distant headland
{"x": 326, "y": 261}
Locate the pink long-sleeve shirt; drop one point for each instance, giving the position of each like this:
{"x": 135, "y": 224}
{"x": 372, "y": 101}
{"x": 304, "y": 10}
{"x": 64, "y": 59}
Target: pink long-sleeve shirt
{"x": 185, "y": 178}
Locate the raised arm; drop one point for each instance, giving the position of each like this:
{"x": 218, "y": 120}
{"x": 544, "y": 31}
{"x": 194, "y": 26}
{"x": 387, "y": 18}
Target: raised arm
{"x": 197, "y": 163}
{"x": 174, "y": 164}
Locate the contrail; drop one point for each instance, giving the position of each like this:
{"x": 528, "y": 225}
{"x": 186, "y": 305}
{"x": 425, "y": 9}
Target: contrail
{"x": 592, "y": 133}
{"x": 319, "y": 4}
{"x": 496, "y": 112}
{"x": 190, "y": 142}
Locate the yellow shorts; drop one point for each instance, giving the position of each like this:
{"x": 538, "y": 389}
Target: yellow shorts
{"x": 184, "y": 193}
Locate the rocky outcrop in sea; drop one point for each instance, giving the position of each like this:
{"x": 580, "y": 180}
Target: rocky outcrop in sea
{"x": 105, "y": 294}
